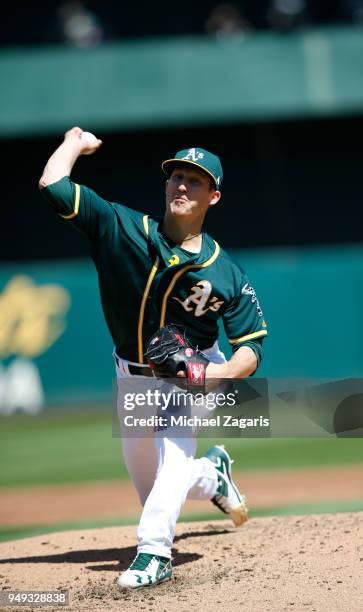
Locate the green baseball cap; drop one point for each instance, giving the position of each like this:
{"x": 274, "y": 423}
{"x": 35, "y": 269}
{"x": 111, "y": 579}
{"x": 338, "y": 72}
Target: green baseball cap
{"x": 206, "y": 161}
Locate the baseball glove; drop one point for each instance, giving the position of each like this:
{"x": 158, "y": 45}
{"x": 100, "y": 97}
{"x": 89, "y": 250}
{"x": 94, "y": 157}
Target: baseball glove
{"x": 169, "y": 352}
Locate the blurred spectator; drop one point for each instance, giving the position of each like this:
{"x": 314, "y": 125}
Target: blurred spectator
{"x": 87, "y": 23}
{"x": 287, "y": 14}
{"x": 225, "y": 21}
{"x": 78, "y": 26}
{"x": 353, "y": 10}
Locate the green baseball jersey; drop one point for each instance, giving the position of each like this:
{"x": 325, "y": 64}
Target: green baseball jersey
{"x": 147, "y": 281}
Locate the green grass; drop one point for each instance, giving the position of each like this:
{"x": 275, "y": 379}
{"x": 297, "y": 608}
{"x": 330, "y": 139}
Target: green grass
{"x": 16, "y": 533}
{"x": 290, "y": 453}
{"x": 74, "y": 446}
{"x": 59, "y": 447}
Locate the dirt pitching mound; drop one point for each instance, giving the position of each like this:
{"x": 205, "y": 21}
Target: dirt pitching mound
{"x": 310, "y": 563}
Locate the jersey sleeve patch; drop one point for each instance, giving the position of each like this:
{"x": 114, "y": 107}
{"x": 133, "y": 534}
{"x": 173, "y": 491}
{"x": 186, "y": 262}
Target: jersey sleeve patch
{"x": 243, "y": 320}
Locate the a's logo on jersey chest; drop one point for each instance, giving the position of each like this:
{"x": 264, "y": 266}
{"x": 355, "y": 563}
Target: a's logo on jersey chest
{"x": 201, "y": 299}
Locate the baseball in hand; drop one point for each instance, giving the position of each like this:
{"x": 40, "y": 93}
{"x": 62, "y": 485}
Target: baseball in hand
{"x": 89, "y": 137}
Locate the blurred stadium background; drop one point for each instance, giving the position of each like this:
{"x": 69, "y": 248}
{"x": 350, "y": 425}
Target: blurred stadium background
{"x": 276, "y": 89}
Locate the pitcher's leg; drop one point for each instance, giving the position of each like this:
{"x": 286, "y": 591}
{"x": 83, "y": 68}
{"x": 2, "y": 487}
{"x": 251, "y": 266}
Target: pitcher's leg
{"x": 139, "y": 453}
{"x": 204, "y": 480}
{"x": 162, "y": 507}
{"x": 141, "y": 461}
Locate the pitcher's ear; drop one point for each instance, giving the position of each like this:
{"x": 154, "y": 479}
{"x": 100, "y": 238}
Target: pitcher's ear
{"x": 215, "y": 199}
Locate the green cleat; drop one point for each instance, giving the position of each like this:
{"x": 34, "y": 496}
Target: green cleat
{"x": 227, "y": 498}
{"x": 145, "y": 570}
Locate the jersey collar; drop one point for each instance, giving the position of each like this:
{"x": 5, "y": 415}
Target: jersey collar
{"x": 182, "y": 257}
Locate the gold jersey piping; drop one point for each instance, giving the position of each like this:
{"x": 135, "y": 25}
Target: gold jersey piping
{"x": 142, "y": 309}
{"x": 77, "y": 198}
{"x": 258, "y": 334}
{"x": 146, "y": 224}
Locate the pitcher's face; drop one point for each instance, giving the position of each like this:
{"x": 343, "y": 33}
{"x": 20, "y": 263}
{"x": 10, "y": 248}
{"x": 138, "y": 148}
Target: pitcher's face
{"x": 189, "y": 192}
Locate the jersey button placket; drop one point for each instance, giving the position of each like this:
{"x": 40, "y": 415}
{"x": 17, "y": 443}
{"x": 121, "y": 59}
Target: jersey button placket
{"x": 151, "y": 320}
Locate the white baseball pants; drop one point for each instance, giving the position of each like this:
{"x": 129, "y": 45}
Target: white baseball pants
{"x": 165, "y": 472}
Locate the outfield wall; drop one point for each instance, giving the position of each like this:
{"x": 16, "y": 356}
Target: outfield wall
{"x": 313, "y": 72}
{"x": 55, "y": 348}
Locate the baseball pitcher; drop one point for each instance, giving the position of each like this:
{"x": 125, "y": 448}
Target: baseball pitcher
{"x": 164, "y": 285}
